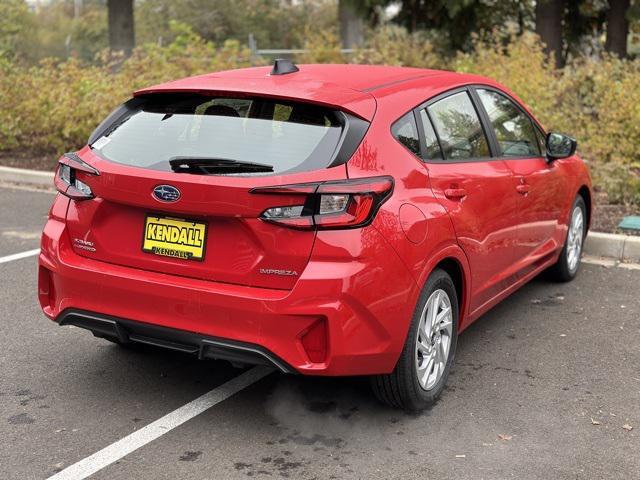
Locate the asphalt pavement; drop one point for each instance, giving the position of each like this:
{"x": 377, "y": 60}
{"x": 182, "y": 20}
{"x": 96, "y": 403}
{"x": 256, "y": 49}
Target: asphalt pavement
{"x": 545, "y": 386}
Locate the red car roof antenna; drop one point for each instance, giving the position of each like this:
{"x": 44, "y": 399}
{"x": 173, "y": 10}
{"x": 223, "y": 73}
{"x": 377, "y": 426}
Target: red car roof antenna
{"x": 282, "y": 66}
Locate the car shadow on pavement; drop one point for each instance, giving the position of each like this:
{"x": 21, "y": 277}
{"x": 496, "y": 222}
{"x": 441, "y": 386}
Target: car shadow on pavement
{"x": 293, "y": 399}
{"x": 343, "y": 397}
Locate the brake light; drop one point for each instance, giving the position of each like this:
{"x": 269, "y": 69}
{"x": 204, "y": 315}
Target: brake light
{"x": 329, "y": 205}
{"x": 66, "y": 178}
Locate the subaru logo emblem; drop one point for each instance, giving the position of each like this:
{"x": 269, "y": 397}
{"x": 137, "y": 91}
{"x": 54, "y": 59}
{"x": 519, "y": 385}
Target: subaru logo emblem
{"x": 166, "y": 193}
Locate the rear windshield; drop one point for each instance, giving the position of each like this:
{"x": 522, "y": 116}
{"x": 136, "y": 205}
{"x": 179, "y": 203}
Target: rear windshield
{"x": 287, "y": 136}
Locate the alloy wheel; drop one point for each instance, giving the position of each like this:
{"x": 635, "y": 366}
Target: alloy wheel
{"x": 433, "y": 341}
{"x": 575, "y": 238}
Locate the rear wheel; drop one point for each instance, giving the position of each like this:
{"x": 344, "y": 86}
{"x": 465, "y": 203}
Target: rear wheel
{"x": 568, "y": 264}
{"x": 423, "y": 367}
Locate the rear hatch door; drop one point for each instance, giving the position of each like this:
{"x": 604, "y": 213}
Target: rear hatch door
{"x": 166, "y": 201}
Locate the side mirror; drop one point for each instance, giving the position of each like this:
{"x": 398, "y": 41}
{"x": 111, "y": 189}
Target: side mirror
{"x": 560, "y": 146}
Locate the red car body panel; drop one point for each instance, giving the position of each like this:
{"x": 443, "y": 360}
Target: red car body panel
{"x": 362, "y": 283}
{"x": 350, "y": 292}
{"x": 124, "y": 198}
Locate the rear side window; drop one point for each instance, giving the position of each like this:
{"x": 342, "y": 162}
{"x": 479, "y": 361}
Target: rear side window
{"x": 433, "y": 151}
{"x": 405, "y": 131}
{"x": 458, "y": 127}
{"x": 514, "y": 129}
{"x": 288, "y": 136}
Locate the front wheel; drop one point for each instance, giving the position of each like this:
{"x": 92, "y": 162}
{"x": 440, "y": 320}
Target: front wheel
{"x": 568, "y": 264}
{"x": 426, "y": 359}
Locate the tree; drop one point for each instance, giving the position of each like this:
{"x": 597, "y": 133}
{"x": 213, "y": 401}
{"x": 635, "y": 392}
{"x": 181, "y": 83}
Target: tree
{"x": 583, "y": 27}
{"x": 549, "y": 15}
{"x": 14, "y": 25}
{"x": 454, "y": 22}
{"x": 121, "y": 27}
{"x": 272, "y": 23}
{"x": 351, "y": 24}
{"x": 617, "y": 27}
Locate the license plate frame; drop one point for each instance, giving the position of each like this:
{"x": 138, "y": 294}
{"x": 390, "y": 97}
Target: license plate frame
{"x": 187, "y": 238}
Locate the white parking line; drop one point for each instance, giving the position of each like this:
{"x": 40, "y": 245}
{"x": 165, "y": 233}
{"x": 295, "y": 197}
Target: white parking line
{"x": 18, "y": 256}
{"x": 139, "y": 438}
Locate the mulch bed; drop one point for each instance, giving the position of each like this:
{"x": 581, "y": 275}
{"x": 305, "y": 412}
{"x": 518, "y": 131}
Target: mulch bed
{"x": 606, "y": 216}
{"x": 37, "y": 162}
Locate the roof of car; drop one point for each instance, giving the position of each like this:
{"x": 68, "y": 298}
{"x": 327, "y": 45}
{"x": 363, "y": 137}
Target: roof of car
{"x": 363, "y": 78}
{"x": 351, "y": 87}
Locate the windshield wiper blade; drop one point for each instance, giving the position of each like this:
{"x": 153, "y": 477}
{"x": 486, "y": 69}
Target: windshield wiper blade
{"x": 209, "y": 165}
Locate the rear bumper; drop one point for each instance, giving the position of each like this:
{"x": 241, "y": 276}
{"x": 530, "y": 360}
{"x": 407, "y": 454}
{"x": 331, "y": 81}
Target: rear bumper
{"x": 128, "y": 331}
{"x": 354, "y": 282}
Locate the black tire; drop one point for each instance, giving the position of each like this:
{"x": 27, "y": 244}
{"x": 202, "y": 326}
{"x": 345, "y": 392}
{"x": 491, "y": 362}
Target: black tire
{"x": 401, "y": 388}
{"x": 562, "y": 271}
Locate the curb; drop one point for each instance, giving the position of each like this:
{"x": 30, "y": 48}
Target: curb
{"x": 624, "y": 248}
{"x": 23, "y": 176}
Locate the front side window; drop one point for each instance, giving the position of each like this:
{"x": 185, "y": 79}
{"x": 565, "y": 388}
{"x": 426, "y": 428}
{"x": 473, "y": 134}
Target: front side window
{"x": 458, "y": 127}
{"x": 542, "y": 141}
{"x": 286, "y": 136}
{"x": 514, "y": 129}
{"x": 406, "y": 132}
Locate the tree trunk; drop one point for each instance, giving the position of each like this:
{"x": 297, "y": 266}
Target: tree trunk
{"x": 351, "y": 24}
{"x": 549, "y": 14}
{"x": 121, "y": 32}
{"x": 617, "y": 27}
{"x": 413, "y": 25}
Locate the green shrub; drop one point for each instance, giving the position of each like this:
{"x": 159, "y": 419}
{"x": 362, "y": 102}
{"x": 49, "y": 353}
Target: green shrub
{"x": 522, "y": 66}
{"x": 53, "y": 106}
{"x": 321, "y": 47}
{"x": 595, "y": 100}
{"x": 387, "y": 45}
{"x": 393, "y": 45}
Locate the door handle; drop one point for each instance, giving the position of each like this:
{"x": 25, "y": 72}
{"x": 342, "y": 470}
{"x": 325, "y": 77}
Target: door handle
{"x": 523, "y": 188}
{"x": 455, "y": 193}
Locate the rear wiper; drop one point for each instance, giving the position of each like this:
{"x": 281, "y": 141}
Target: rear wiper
{"x": 208, "y": 165}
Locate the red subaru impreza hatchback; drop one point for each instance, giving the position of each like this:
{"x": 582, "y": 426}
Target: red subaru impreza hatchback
{"x": 325, "y": 220}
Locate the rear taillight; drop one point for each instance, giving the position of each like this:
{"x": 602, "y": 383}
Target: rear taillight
{"x": 329, "y": 205}
{"x": 70, "y": 166}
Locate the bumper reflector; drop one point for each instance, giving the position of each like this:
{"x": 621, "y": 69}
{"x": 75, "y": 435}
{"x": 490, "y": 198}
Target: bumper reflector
{"x": 314, "y": 342}
{"x": 46, "y": 294}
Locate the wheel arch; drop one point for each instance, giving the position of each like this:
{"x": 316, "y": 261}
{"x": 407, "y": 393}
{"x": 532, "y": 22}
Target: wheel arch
{"x": 451, "y": 266}
{"x": 454, "y": 262}
{"x": 585, "y": 193}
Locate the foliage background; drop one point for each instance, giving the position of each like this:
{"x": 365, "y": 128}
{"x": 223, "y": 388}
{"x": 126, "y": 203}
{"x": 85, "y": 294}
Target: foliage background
{"x": 50, "y": 105}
